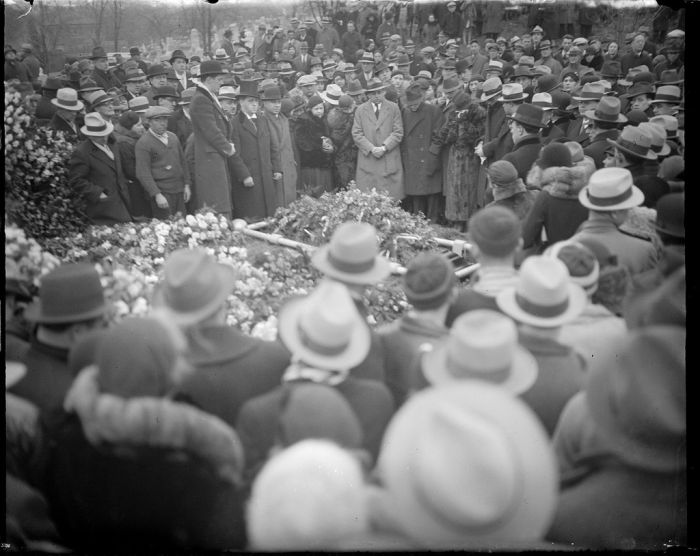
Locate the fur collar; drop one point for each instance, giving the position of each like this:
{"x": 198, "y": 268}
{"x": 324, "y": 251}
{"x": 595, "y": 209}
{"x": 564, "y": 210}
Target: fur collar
{"x": 558, "y": 181}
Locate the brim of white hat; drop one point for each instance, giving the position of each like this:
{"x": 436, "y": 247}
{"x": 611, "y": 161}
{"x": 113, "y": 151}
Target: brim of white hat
{"x": 75, "y": 108}
{"x": 578, "y": 300}
{"x": 523, "y": 97}
{"x": 523, "y": 370}
{"x": 288, "y": 330}
{"x": 635, "y": 200}
{"x": 378, "y": 272}
{"x": 109, "y": 129}
{"x": 528, "y": 520}
{"x": 485, "y": 97}
{"x": 227, "y": 277}
{"x": 665, "y": 150}
{"x": 14, "y": 372}
{"x": 651, "y": 155}
{"x": 328, "y": 100}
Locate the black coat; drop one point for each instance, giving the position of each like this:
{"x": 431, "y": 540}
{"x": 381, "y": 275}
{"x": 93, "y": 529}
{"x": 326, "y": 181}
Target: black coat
{"x": 140, "y": 498}
{"x": 59, "y": 124}
{"x": 524, "y": 154}
{"x": 307, "y": 135}
{"x": 645, "y": 178}
{"x": 598, "y": 145}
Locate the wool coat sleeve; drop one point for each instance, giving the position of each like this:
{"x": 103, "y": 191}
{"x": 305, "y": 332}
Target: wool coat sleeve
{"x": 203, "y": 119}
{"x": 533, "y": 224}
{"x": 358, "y": 133}
{"x": 143, "y": 166}
{"x": 79, "y": 174}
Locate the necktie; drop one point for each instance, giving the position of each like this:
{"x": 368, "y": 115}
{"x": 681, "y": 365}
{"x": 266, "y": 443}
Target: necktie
{"x": 376, "y": 111}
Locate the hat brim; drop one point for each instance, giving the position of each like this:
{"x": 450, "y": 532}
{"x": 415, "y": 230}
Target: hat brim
{"x": 485, "y": 97}
{"x": 523, "y": 97}
{"x": 14, "y": 372}
{"x": 590, "y": 114}
{"x": 226, "y": 275}
{"x": 354, "y": 353}
{"x": 665, "y": 150}
{"x": 379, "y": 271}
{"x": 506, "y": 301}
{"x": 523, "y": 370}
{"x": 635, "y": 200}
{"x": 666, "y": 101}
{"x": 515, "y": 118}
{"x": 109, "y": 129}
{"x": 75, "y": 108}
{"x": 374, "y": 89}
{"x": 34, "y": 313}
{"x": 651, "y": 155}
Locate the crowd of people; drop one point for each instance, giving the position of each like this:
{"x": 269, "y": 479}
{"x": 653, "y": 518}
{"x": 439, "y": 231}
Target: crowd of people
{"x": 316, "y": 108}
{"x": 542, "y": 406}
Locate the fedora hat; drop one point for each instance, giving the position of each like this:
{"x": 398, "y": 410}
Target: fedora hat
{"x": 70, "y": 293}
{"x": 640, "y": 88}
{"x": 354, "y": 87}
{"x": 166, "y": 91}
{"x": 67, "y": 99}
{"x": 248, "y": 89}
{"x": 186, "y": 96}
{"x": 271, "y": 93}
{"x": 135, "y": 75}
{"x": 636, "y": 142}
{"x": 52, "y": 83}
{"x": 227, "y": 92}
{"x": 349, "y": 67}
{"x": 193, "y": 286}
{"x": 332, "y": 94}
{"x": 608, "y": 110}
{"x": 670, "y": 124}
{"x": 539, "y": 71}
{"x": 658, "y": 137}
{"x": 367, "y": 58}
{"x": 138, "y": 104}
{"x": 97, "y": 53}
{"x": 211, "y": 67}
{"x": 547, "y": 83}
{"x": 352, "y": 256}
{"x": 611, "y": 68}
{"x": 324, "y": 329}
{"x": 220, "y": 55}
{"x": 374, "y": 84}
{"x": 543, "y": 100}
{"x": 649, "y": 371}
{"x": 457, "y": 464}
{"x": 381, "y": 66}
{"x": 87, "y": 85}
{"x": 667, "y": 93}
{"x": 329, "y": 65}
{"x": 528, "y": 114}
{"x": 452, "y": 84}
{"x": 522, "y": 71}
{"x": 611, "y": 189}
{"x": 670, "y": 77}
{"x": 177, "y": 53}
{"x": 482, "y": 345}
{"x": 491, "y": 88}
{"x": 156, "y": 70}
{"x": 544, "y": 295}
{"x": 670, "y": 215}
{"x": 96, "y": 126}
{"x": 494, "y": 65}
{"x": 512, "y": 92}
{"x": 590, "y": 91}
{"x": 414, "y": 94}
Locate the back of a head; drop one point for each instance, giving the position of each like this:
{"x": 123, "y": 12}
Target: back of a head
{"x": 308, "y": 497}
{"x": 495, "y": 230}
{"x": 554, "y": 155}
{"x": 428, "y": 281}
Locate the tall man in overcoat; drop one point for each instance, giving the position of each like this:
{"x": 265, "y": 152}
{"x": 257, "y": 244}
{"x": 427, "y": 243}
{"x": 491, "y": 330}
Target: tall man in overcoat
{"x": 255, "y": 184}
{"x": 377, "y": 131}
{"x": 422, "y": 169}
{"x": 212, "y": 143}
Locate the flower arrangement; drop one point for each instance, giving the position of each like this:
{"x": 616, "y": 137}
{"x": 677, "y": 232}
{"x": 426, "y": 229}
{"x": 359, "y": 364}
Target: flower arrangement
{"x": 28, "y": 259}
{"x": 37, "y": 195}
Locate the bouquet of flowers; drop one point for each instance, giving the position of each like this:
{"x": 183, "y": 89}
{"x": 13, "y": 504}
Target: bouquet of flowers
{"x": 28, "y": 260}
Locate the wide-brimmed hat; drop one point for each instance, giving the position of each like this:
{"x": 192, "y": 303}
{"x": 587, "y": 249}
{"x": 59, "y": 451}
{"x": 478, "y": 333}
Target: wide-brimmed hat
{"x": 457, "y": 465}
{"x": 667, "y": 93}
{"x": 220, "y": 55}
{"x": 177, "y": 53}
{"x": 544, "y": 295}
{"x": 332, "y": 94}
{"x": 349, "y": 67}
{"x": 547, "y": 83}
{"x": 354, "y": 88}
{"x": 96, "y": 126}
{"x": 452, "y": 84}
{"x": 528, "y": 114}
{"x": 670, "y": 77}
{"x": 635, "y": 141}
{"x": 669, "y": 123}
{"x": 227, "y": 92}
{"x": 329, "y": 65}
{"x": 374, "y": 84}
{"x": 494, "y": 65}
{"x": 69, "y": 293}
{"x": 512, "y": 92}
{"x": 67, "y": 99}
{"x": 248, "y": 89}
{"x": 352, "y": 256}
{"x": 646, "y": 370}
{"x": 325, "y": 328}
{"x": 522, "y": 71}
{"x": 611, "y": 189}
{"x": 138, "y": 104}
{"x": 543, "y": 100}
{"x": 381, "y": 66}
{"x": 193, "y": 286}
{"x": 590, "y": 91}
{"x": 97, "y": 53}
{"x": 640, "y": 88}
{"x": 211, "y": 67}
{"x": 657, "y": 132}
{"x": 608, "y": 110}
{"x": 670, "y": 214}
{"x": 166, "y": 91}
{"x": 95, "y": 98}
{"x": 611, "y": 68}
{"x": 491, "y": 88}
{"x": 135, "y": 75}
{"x": 482, "y": 345}
{"x": 271, "y": 93}
{"x": 156, "y": 70}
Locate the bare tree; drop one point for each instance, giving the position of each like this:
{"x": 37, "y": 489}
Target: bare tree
{"x": 97, "y": 10}
{"x": 117, "y": 18}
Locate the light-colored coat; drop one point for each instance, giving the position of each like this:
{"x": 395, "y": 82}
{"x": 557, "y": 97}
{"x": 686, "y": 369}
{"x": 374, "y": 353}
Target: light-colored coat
{"x": 368, "y": 131}
{"x": 279, "y": 126}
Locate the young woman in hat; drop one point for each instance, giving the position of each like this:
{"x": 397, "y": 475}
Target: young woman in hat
{"x": 315, "y": 148}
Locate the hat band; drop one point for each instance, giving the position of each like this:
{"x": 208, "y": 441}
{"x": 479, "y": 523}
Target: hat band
{"x": 544, "y": 311}
{"x": 604, "y": 116}
{"x": 492, "y": 92}
{"x": 633, "y": 147}
{"x": 332, "y": 97}
{"x": 350, "y": 267}
{"x": 321, "y": 349}
{"x": 543, "y": 104}
{"x": 609, "y": 201}
{"x": 657, "y": 148}
{"x": 95, "y": 128}
{"x": 666, "y": 98}
{"x": 516, "y": 96}
{"x": 68, "y": 102}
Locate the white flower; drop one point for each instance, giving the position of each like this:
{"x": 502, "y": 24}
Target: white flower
{"x": 191, "y": 220}
{"x": 187, "y": 230}
{"x": 140, "y": 306}
{"x": 121, "y": 308}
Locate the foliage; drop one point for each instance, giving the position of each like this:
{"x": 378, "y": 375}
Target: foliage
{"x": 37, "y": 194}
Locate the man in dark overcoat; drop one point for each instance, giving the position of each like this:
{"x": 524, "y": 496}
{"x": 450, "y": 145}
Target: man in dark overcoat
{"x": 422, "y": 169}
{"x": 95, "y": 170}
{"x": 255, "y": 184}
{"x": 524, "y": 127}
{"x": 605, "y": 121}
